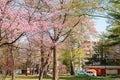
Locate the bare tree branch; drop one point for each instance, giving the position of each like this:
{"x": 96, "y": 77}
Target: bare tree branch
{"x": 9, "y": 43}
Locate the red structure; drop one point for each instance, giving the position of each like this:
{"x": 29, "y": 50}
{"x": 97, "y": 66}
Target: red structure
{"x": 105, "y": 70}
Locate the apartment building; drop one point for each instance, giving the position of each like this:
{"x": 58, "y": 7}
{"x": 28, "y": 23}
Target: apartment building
{"x": 88, "y": 47}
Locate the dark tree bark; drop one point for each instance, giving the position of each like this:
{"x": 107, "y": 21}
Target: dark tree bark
{"x": 71, "y": 68}
{"x": 55, "y": 70}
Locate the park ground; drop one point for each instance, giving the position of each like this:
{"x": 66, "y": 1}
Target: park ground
{"x": 23, "y": 77}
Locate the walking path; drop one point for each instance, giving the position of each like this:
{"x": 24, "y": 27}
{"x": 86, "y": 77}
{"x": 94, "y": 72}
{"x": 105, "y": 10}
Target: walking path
{"x": 116, "y": 79}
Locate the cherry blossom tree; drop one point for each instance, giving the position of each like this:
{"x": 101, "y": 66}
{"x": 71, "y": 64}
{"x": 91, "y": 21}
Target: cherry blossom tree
{"x": 57, "y": 24}
{"x": 13, "y": 26}
{"x": 54, "y": 19}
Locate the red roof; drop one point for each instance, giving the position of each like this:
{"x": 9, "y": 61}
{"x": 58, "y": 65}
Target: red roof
{"x": 93, "y": 67}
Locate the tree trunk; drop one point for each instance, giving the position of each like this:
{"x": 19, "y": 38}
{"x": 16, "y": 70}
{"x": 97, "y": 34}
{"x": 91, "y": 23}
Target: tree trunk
{"x": 44, "y": 67}
{"x": 30, "y": 67}
{"x": 45, "y": 73}
{"x": 41, "y": 73}
{"x": 46, "y": 70}
{"x": 42, "y": 70}
{"x": 13, "y": 63}
{"x": 37, "y": 68}
{"x": 55, "y": 70}
{"x": 71, "y": 67}
{"x": 71, "y": 63}
{"x": 26, "y": 67}
{"x": 13, "y": 74}
{"x": 33, "y": 70}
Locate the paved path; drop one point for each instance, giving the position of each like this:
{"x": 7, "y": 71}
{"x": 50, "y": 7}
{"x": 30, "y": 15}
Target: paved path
{"x": 116, "y": 79}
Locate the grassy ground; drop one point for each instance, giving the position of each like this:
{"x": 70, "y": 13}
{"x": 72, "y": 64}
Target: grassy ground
{"x": 22, "y": 77}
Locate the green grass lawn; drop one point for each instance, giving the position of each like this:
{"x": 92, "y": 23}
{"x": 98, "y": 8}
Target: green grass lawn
{"x": 23, "y": 77}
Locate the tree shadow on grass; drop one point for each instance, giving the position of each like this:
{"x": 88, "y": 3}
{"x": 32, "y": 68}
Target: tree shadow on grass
{"x": 29, "y": 77}
{"x": 82, "y": 78}
{"x": 26, "y": 77}
{"x": 71, "y": 78}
